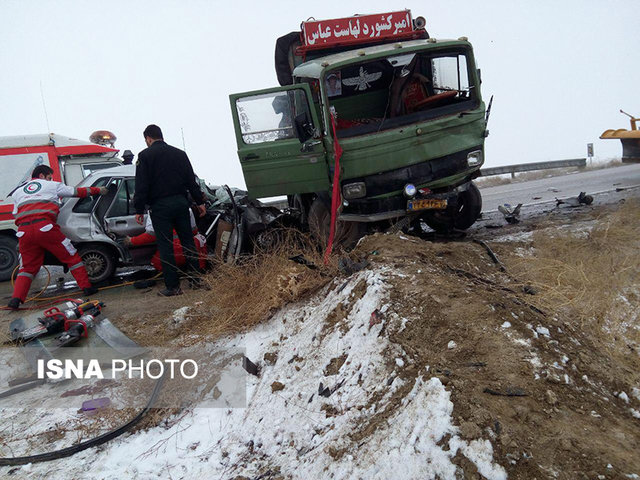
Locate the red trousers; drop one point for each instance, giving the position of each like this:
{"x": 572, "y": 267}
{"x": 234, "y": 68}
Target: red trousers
{"x": 178, "y": 254}
{"x": 34, "y": 240}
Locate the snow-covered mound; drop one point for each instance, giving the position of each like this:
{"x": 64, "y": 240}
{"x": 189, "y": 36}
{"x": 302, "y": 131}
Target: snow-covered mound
{"x": 328, "y": 404}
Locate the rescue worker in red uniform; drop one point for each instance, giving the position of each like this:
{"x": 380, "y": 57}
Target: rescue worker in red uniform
{"x": 36, "y": 208}
{"x": 149, "y": 238}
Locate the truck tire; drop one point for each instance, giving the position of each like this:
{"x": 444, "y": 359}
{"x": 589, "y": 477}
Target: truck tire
{"x": 347, "y": 233}
{"x": 8, "y": 256}
{"x": 99, "y": 262}
{"x": 298, "y": 203}
{"x": 469, "y": 208}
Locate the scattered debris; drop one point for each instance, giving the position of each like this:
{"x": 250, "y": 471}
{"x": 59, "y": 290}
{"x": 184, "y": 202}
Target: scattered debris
{"x": 376, "y": 317}
{"x": 511, "y": 215}
{"x": 180, "y": 315}
{"x": 349, "y": 267}
{"x": 323, "y": 391}
{"x": 581, "y": 199}
{"x": 508, "y": 392}
{"x": 277, "y": 386}
{"x": 477, "y": 364}
{"x": 95, "y": 404}
{"x": 334, "y": 365}
{"x": 493, "y": 256}
{"x": 250, "y": 367}
{"x": 303, "y": 261}
{"x": 270, "y": 358}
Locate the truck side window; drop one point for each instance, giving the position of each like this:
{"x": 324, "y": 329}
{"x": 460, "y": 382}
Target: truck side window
{"x": 269, "y": 117}
{"x": 450, "y": 73}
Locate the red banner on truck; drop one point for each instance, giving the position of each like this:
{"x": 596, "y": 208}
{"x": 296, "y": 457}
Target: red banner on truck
{"x": 356, "y": 29}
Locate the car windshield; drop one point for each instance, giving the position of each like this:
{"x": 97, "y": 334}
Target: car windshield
{"x": 399, "y": 90}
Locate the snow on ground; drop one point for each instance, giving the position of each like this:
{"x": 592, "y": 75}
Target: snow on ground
{"x": 287, "y": 426}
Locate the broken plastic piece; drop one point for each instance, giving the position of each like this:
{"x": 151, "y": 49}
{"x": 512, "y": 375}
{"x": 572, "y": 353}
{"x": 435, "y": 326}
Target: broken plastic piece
{"x": 511, "y": 215}
{"x": 95, "y": 403}
{"x": 250, "y": 367}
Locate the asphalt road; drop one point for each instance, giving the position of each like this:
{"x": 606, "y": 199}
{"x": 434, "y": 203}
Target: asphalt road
{"x": 547, "y": 189}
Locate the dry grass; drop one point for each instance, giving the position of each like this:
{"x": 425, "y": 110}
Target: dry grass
{"x": 497, "y": 180}
{"x": 248, "y": 292}
{"x": 590, "y": 275}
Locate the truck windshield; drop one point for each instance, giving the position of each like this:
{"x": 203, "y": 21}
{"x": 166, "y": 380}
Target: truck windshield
{"x": 401, "y": 90}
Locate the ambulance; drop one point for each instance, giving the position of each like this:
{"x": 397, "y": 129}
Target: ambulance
{"x": 71, "y": 160}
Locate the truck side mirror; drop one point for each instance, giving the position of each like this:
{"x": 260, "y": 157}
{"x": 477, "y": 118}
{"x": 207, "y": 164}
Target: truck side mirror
{"x": 304, "y": 127}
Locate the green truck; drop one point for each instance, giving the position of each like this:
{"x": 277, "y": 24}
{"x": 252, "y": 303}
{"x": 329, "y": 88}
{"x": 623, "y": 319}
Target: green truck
{"x": 405, "y": 109}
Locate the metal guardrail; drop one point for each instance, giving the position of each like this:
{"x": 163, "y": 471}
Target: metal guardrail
{"x": 528, "y": 167}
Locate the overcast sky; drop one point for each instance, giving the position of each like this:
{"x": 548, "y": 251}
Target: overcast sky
{"x": 559, "y": 70}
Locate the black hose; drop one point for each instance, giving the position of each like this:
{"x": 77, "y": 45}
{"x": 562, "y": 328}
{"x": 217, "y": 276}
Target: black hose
{"x": 94, "y": 442}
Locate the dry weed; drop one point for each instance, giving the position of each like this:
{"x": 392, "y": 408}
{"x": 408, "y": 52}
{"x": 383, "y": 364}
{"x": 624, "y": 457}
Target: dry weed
{"x": 592, "y": 275}
{"x": 246, "y": 293}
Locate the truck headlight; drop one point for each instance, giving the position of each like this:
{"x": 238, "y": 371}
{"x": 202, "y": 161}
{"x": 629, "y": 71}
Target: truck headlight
{"x": 474, "y": 158}
{"x": 351, "y": 191}
{"x": 410, "y": 190}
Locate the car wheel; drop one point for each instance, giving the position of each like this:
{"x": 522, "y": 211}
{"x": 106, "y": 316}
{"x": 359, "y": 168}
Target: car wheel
{"x": 347, "y": 233}
{"x": 468, "y": 211}
{"x": 8, "y": 256}
{"x": 99, "y": 262}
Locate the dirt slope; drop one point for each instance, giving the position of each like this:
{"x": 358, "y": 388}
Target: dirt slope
{"x": 525, "y": 377}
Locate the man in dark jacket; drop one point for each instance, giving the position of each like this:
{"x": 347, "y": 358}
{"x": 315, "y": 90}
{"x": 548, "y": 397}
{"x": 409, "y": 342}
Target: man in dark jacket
{"x": 163, "y": 177}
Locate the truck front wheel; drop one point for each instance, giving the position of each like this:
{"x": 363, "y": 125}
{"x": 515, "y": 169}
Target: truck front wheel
{"x": 347, "y": 233}
{"x": 8, "y": 256}
{"x": 468, "y": 211}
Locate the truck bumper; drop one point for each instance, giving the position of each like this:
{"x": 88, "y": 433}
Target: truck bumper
{"x": 400, "y": 204}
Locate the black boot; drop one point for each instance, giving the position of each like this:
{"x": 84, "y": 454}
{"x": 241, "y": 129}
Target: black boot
{"x": 14, "y": 303}
{"x": 90, "y": 291}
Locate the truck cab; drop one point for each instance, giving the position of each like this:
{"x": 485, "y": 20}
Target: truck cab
{"x": 404, "y": 109}
{"x": 71, "y": 160}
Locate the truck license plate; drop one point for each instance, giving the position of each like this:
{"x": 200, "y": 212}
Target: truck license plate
{"x": 426, "y": 204}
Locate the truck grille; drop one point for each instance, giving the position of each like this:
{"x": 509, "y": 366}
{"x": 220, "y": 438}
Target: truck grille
{"x": 420, "y": 173}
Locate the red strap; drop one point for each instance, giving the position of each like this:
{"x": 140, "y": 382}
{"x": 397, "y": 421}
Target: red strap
{"x": 94, "y": 190}
{"x": 335, "y": 195}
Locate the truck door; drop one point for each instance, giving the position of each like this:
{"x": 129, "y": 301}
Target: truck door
{"x": 279, "y": 144}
